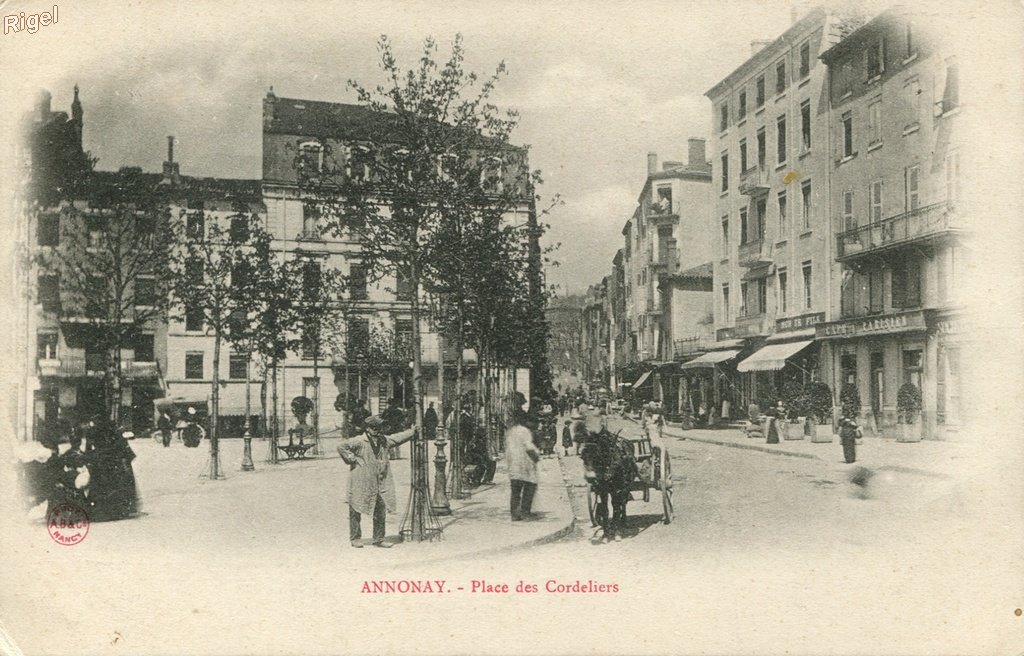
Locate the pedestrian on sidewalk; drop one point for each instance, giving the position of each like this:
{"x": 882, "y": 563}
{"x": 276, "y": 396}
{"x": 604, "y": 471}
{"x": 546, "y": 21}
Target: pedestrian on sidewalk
{"x": 579, "y": 430}
{"x": 165, "y": 425}
{"x": 849, "y": 431}
{"x": 430, "y": 422}
{"x": 567, "y": 436}
{"x": 522, "y": 458}
{"x": 371, "y": 486}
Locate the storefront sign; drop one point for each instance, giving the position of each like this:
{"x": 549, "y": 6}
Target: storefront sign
{"x": 952, "y": 326}
{"x": 796, "y": 323}
{"x": 739, "y": 331}
{"x": 892, "y": 323}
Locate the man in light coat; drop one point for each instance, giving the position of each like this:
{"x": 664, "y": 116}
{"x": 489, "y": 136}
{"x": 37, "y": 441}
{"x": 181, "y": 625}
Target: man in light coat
{"x": 371, "y": 486}
{"x": 522, "y": 456}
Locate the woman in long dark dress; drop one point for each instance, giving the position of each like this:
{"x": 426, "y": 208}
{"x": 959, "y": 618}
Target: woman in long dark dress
{"x": 112, "y": 492}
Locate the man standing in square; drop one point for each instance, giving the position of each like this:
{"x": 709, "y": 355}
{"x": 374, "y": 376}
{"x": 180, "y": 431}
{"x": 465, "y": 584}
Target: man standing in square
{"x": 371, "y": 486}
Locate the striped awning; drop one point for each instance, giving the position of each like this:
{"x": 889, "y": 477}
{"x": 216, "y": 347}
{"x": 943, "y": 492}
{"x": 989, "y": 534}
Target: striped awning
{"x": 709, "y": 359}
{"x": 773, "y": 356}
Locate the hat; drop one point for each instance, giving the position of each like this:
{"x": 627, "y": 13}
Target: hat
{"x": 576, "y": 415}
{"x": 374, "y": 422}
{"x": 191, "y": 410}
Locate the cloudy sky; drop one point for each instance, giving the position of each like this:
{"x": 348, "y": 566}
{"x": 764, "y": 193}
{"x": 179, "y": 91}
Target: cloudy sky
{"x": 598, "y": 84}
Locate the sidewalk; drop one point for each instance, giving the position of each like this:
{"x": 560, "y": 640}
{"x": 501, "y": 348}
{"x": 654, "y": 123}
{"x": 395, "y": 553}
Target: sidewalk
{"x": 934, "y": 458}
{"x": 295, "y": 512}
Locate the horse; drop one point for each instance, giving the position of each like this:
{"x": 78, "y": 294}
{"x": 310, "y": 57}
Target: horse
{"x": 610, "y": 468}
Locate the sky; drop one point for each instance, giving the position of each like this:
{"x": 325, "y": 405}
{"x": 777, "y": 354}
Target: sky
{"x": 598, "y": 84}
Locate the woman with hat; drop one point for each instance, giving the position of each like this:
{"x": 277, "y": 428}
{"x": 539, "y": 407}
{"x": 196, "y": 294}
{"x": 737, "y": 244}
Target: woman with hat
{"x": 371, "y": 485}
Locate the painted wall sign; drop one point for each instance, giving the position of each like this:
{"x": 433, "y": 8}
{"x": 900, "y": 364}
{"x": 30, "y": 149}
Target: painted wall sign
{"x": 892, "y": 323}
{"x": 796, "y": 323}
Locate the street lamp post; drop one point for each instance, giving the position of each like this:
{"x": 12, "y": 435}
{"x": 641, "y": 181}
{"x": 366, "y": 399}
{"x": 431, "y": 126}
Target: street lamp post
{"x": 439, "y": 501}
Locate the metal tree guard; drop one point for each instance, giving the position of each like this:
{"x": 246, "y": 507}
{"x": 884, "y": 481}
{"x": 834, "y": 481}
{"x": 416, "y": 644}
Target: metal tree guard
{"x": 420, "y": 521}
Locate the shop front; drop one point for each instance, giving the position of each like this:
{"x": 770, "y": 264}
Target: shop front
{"x": 882, "y": 353}
{"x": 708, "y": 380}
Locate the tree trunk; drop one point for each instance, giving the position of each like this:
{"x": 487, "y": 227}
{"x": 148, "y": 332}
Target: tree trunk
{"x": 248, "y": 394}
{"x": 418, "y": 458}
{"x": 457, "y": 437}
{"x": 316, "y": 400}
{"x": 215, "y": 410}
{"x": 114, "y": 398}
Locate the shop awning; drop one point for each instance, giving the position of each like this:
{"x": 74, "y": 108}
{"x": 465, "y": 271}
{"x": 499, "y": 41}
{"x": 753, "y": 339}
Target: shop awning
{"x": 772, "y": 356}
{"x": 642, "y": 379}
{"x": 709, "y": 359}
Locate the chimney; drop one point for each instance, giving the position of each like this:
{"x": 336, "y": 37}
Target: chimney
{"x": 652, "y": 163}
{"x": 171, "y": 172}
{"x": 697, "y": 155}
{"x": 758, "y": 45}
{"x": 43, "y": 105}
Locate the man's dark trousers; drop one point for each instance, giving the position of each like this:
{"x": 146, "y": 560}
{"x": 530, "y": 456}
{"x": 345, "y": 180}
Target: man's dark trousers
{"x": 522, "y": 498}
{"x": 355, "y": 530}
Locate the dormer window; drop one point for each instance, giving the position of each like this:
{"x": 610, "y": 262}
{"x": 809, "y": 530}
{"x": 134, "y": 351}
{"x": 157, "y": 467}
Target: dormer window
{"x": 490, "y": 176}
{"x": 359, "y": 163}
{"x": 311, "y": 157}
{"x": 447, "y": 165}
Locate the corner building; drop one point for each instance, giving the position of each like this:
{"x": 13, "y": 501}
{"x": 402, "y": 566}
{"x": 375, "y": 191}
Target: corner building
{"x": 898, "y": 214}
{"x": 772, "y": 252}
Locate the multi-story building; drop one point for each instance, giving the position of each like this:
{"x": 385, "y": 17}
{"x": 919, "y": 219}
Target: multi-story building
{"x": 596, "y": 335}
{"x": 619, "y": 353}
{"x": 771, "y": 164}
{"x": 666, "y": 235}
{"x": 898, "y": 214}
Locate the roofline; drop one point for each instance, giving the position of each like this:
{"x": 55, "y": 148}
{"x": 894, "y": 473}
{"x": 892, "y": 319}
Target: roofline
{"x": 762, "y": 56}
{"x": 851, "y": 39}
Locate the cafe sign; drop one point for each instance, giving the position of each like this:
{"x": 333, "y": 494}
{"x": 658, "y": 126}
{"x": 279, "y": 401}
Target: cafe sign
{"x": 796, "y": 323}
{"x": 890, "y": 323}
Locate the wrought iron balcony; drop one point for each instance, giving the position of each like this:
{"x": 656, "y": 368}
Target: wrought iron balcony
{"x": 915, "y": 227}
{"x": 754, "y": 180}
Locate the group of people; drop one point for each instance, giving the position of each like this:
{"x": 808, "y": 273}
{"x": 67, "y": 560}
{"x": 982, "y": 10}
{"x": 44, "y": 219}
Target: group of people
{"x": 94, "y": 472}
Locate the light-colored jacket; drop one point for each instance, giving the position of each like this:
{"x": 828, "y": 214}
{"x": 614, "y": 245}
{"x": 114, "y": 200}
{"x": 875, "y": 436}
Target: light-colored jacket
{"x": 371, "y": 476}
{"x": 521, "y": 454}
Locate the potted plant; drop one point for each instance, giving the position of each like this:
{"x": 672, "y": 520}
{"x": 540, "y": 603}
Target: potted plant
{"x": 818, "y": 401}
{"x": 908, "y": 410}
{"x": 849, "y": 402}
{"x": 792, "y": 399}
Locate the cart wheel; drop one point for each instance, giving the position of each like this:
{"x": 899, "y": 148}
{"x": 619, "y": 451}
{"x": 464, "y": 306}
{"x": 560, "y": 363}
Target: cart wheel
{"x": 665, "y": 483}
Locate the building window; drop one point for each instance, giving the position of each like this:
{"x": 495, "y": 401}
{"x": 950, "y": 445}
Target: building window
{"x": 906, "y": 283}
{"x": 805, "y": 59}
{"x": 309, "y": 344}
{"x": 808, "y": 287}
{"x": 780, "y": 138}
{"x": 194, "y": 271}
{"x": 195, "y": 225}
{"x": 726, "y": 312}
{"x": 743, "y": 155}
{"x": 357, "y": 282}
{"x": 913, "y": 366}
{"x": 240, "y": 275}
{"x": 311, "y": 158}
{"x": 848, "y": 134}
{"x": 725, "y": 171}
{"x": 357, "y": 338}
{"x": 760, "y": 217}
{"x": 849, "y": 221}
{"x": 783, "y": 277}
{"x": 805, "y": 124}
{"x": 193, "y": 318}
{"x": 741, "y": 109}
{"x": 490, "y": 176}
{"x": 48, "y": 230}
{"x": 145, "y": 290}
{"x": 144, "y": 348}
{"x": 780, "y": 77}
{"x": 723, "y": 117}
{"x": 194, "y": 365}
{"x": 310, "y": 218}
{"x": 912, "y": 90}
{"x": 876, "y": 291}
{"x": 725, "y": 236}
{"x": 48, "y": 287}
{"x": 805, "y": 196}
{"x": 238, "y": 364}
{"x": 953, "y": 182}
{"x": 96, "y": 227}
{"x": 913, "y": 175}
{"x": 46, "y": 346}
{"x": 239, "y": 231}
{"x": 783, "y": 214}
{"x": 908, "y": 39}
{"x": 744, "y": 290}
{"x": 759, "y": 92}
{"x": 876, "y": 58}
{"x": 743, "y": 226}
{"x": 403, "y": 287}
{"x": 875, "y": 123}
{"x": 359, "y": 163}
{"x": 762, "y": 148}
{"x": 875, "y": 197}
{"x": 942, "y": 273}
{"x": 762, "y": 295}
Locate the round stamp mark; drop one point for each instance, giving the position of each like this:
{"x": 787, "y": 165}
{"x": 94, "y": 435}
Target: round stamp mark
{"x": 67, "y": 524}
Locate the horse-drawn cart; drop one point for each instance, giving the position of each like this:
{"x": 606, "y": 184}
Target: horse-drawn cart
{"x": 653, "y": 472}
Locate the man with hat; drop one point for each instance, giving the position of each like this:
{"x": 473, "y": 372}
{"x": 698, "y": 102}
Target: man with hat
{"x": 371, "y": 486}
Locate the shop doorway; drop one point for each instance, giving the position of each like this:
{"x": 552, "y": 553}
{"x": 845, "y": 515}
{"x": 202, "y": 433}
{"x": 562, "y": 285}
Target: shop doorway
{"x": 877, "y": 386}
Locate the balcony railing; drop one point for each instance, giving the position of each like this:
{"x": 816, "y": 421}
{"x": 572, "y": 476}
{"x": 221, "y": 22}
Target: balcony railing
{"x": 309, "y": 234}
{"x": 754, "y": 180}
{"x": 755, "y": 253}
{"x": 662, "y": 208}
{"x": 688, "y": 346}
{"x": 76, "y": 366}
{"x": 921, "y": 224}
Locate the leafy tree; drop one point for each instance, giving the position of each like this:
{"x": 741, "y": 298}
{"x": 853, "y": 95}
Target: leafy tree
{"x": 211, "y": 276}
{"x": 108, "y": 268}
